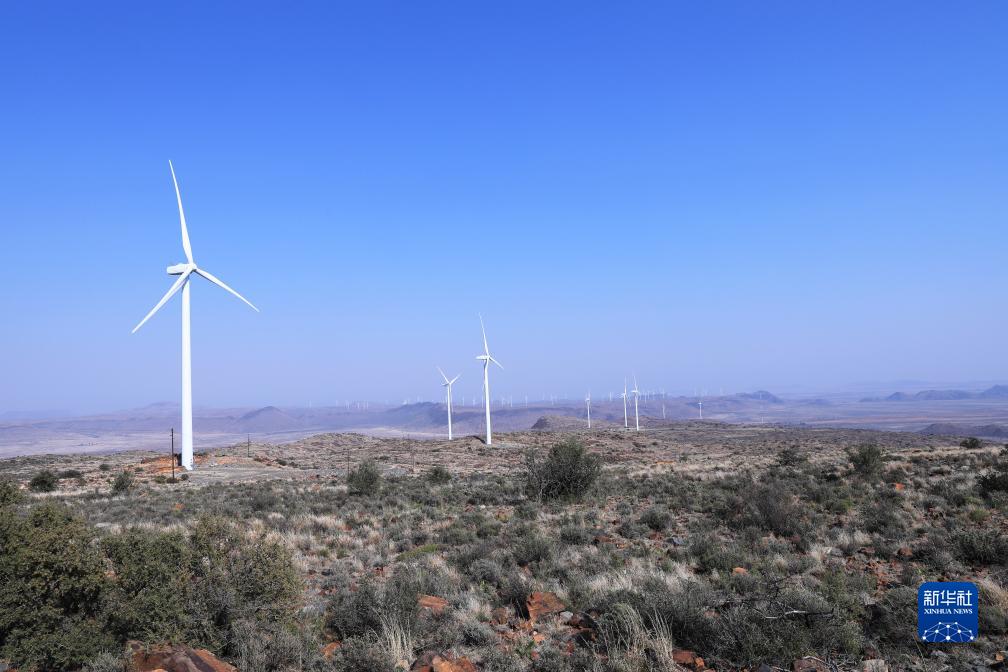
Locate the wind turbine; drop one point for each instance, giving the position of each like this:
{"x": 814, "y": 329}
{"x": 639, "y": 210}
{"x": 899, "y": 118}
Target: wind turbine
{"x": 700, "y": 404}
{"x": 626, "y": 424}
{"x": 636, "y": 395}
{"x": 448, "y": 383}
{"x": 184, "y": 272}
{"x": 588, "y": 402}
{"x": 486, "y": 379}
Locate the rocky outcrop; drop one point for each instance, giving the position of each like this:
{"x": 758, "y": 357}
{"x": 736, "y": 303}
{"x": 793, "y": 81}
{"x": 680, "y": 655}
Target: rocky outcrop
{"x": 166, "y": 658}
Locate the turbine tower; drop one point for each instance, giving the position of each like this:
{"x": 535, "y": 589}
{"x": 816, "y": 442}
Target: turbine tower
{"x": 636, "y": 395}
{"x": 588, "y": 402}
{"x": 700, "y": 404}
{"x": 448, "y": 383}
{"x": 184, "y": 272}
{"x": 626, "y": 423}
{"x": 486, "y": 379}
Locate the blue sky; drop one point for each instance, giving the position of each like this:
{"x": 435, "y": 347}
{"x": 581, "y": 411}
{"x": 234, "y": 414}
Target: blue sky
{"x": 712, "y": 195}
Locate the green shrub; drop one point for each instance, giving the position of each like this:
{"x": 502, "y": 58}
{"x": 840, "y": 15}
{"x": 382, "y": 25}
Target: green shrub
{"x": 971, "y": 443}
{"x": 70, "y": 473}
{"x": 981, "y": 546}
{"x": 438, "y": 475}
{"x": 44, "y": 481}
{"x": 10, "y": 495}
{"x": 867, "y": 458}
{"x": 51, "y": 581}
{"x": 365, "y": 479}
{"x": 656, "y": 519}
{"x": 566, "y": 474}
{"x": 122, "y": 483}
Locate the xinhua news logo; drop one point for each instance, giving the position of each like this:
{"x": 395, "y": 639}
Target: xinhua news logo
{"x": 947, "y": 612}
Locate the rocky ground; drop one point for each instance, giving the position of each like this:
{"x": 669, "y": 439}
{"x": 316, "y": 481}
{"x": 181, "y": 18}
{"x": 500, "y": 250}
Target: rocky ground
{"x": 700, "y": 546}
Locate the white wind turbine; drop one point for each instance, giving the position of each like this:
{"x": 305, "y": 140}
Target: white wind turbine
{"x": 486, "y": 379}
{"x": 448, "y": 383}
{"x": 636, "y": 395}
{"x": 626, "y": 423}
{"x": 185, "y": 271}
{"x": 588, "y": 403}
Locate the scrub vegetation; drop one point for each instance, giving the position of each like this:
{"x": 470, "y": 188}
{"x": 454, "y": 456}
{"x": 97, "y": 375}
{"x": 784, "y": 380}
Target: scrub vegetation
{"x": 696, "y": 547}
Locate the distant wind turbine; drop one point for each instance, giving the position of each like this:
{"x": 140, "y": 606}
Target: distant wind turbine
{"x": 636, "y": 395}
{"x": 486, "y": 358}
{"x": 588, "y": 402}
{"x": 700, "y": 404}
{"x": 447, "y": 384}
{"x": 184, "y": 272}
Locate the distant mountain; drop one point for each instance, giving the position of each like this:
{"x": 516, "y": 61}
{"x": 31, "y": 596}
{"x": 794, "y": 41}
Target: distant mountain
{"x": 996, "y": 392}
{"x": 761, "y": 395}
{"x": 268, "y": 419}
{"x": 953, "y": 429}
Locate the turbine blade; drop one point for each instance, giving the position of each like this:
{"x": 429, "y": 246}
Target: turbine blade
{"x": 442, "y": 374}
{"x": 220, "y": 283}
{"x": 164, "y": 299}
{"x": 486, "y": 348}
{"x": 185, "y": 231}
{"x": 452, "y": 381}
{"x": 495, "y": 362}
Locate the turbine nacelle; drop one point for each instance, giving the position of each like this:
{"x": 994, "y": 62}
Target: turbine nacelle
{"x": 179, "y": 269}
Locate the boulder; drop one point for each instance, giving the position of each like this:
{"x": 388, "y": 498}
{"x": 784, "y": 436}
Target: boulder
{"x": 808, "y": 665}
{"x": 874, "y": 665}
{"x": 541, "y": 604}
{"x": 436, "y": 605}
{"x": 174, "y": 659}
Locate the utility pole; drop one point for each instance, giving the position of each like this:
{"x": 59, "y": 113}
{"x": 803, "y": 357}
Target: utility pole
{"x": 248, "y": 446}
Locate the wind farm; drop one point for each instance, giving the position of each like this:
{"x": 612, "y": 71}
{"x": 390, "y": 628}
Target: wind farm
{"x": 780, "y": 227}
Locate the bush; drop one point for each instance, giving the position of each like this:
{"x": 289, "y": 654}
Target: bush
{"x": 567, "y": 473}
{"x": 656, "y": 519}
{"x": 867, "y": 459}
{"x": 51, "y": 582}
{"x": 971, "y": 443}
{"x": 365, "y": 479}
{"x": 981, "y": 546}
{"x": 44, "y": 481}
{"x": 438, "y": 475}
{"x": 122, "y": 483}
{"x": 227, "y": 579}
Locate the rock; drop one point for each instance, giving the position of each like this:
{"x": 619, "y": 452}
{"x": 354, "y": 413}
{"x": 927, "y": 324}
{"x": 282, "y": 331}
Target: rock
{"x": 566, "y": 616}
{"x": 808, "y": 665}
{"x": 683, "y": 657}
{"x": 740, "y": 570}
{"x": 874, "y": 665}
{"x": 436, "y": 605}
{"x": 905, "y": 552}
{"x": 541, "y": 604}
{"x": 329, "y": 650}
{"x": 174, "y": 659}
{"x": 500, "y": 615}
{"x": 461, "y": 664}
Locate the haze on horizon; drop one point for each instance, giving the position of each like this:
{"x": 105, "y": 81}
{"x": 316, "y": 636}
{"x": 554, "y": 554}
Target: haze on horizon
{"x": 707, "y": 199}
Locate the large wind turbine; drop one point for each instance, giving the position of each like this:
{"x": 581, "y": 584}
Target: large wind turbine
{"x": 184, "y": 272}
{"x": 588, "y": 403}
{"x": 636, "y": 395}
{"x": 486, "y": 379}
{"x": 448, "y": 383}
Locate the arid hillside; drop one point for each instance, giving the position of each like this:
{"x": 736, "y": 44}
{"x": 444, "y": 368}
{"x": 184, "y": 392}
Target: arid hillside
{"x": 697, "y": 545}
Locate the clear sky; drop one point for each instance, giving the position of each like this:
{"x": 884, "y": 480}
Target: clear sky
{"x": 711, "y": 194}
